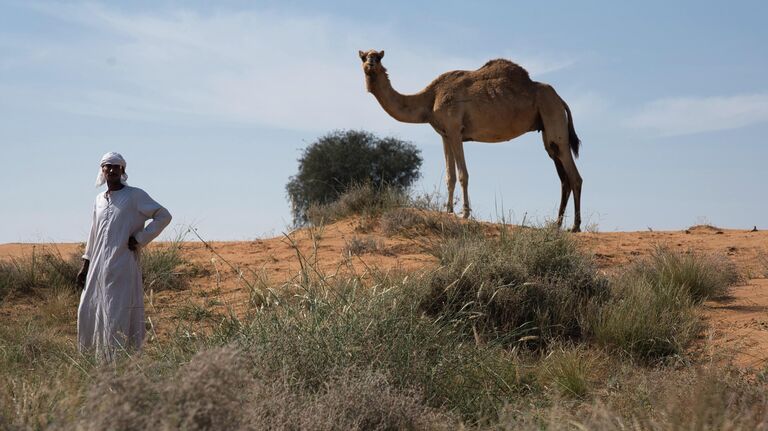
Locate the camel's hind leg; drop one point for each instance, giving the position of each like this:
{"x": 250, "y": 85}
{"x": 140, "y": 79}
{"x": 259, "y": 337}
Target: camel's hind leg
{"x": 565, "y": 187}
{"x": 574, "y": 178}
{"x": 555, "y": 137}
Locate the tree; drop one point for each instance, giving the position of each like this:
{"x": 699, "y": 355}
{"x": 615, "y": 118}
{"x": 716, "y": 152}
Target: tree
{"x": 341, "y": 159}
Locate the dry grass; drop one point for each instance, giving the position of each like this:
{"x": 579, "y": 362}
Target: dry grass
{"x": 163, "y": 266}
{"x": 329, "y": 352}
{"x": 682, "y": 399}
{"x": 44, "y": 267}
{"x": 570, "y": 370}
{"x": 651, "y": 312}
{"x": 354, "y": 399}
{"x": 207, "y": 393}
{"x": 701, "y": 276}
{"x": 418, "y": 222}
{"x": 358, "y": 246}
{"x": 532, "y": 284}
{"x": 361, "y": 200}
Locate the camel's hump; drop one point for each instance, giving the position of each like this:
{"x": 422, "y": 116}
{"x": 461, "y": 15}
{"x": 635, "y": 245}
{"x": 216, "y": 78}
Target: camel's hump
{"x": 501, "y": 66}
{"x": 492, "y": 71}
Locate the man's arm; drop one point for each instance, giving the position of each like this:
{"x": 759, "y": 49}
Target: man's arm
{"x": 160, "y": 216}
{"x": 83, "y": 274}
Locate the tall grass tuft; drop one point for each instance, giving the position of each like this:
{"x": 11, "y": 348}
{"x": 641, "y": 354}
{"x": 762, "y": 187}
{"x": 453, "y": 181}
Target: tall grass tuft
{"x": 646, "y": 320}
{"x": 163, "y": 266}
{"x": 569, "y": 371}
{"x": 44, "y": 267}
{"x": 362, "y": 199}
{"x": 701, "y": 276}
{"x": 415, "y": 221}
{"x": 531, "y": 282}
{"x": 651, "y": 312}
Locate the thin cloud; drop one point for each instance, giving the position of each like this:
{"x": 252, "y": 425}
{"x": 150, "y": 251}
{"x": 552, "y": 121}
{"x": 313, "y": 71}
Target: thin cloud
{"x": 541, "y": 65}
{"x": 253, "y": 67}
{"x": 688, "y": 115}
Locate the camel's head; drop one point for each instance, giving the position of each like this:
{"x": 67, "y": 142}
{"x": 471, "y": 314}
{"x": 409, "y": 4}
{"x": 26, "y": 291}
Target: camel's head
{"x": 372, "y": 61}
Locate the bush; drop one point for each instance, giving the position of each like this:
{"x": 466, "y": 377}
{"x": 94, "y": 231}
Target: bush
{"x": 651, "y": 312}
{"x": 413, "y": 221}
{"x": 207, "y": 393}
{"x": 162, "y": 266}
{"x": 645, "y": 320}
{"x": 359, "y": 246}
{"x": 354, "y": 399}
{"x": 531, "y": 281}
{"x": 45, "y": 267}
{"x": 704, "y": 400}
{"x": 338, "y": 160}
{"x": 701, "y": 276}
{"x": 359, "y": 199}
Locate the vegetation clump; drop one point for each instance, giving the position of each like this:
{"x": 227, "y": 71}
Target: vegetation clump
{"x": 651, "y": 312}
{"x": 442, "y": 348}
{"x": 531, "y": 283}
{"x": 43, "y": 267}
{"x": 364, "y": 200}
{"x": 343, "y": 159}
{"x": 164, "y": 267}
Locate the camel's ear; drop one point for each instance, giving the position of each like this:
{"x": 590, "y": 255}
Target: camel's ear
{"x": 362, "y": 55}
{"x": 381, "y": 54}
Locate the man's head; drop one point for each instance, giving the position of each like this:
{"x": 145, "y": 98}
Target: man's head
{"x": 112, "y": 170}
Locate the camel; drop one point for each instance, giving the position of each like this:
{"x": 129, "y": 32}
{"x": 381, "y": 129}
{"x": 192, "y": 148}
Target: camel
{"x": 495, "y": 103}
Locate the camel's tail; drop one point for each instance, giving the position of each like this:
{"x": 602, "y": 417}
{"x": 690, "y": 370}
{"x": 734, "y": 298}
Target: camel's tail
{"x": 573, "y": 139}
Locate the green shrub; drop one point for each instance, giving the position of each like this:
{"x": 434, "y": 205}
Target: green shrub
{"x": 341, "y": 159}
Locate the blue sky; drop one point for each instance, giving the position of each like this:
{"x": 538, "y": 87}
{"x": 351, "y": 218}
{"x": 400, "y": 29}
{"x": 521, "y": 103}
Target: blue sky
{"x": 212, "y": 104}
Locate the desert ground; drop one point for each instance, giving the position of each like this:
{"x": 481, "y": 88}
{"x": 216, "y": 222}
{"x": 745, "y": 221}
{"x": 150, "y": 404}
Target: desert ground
{"x": 736, "y": 325}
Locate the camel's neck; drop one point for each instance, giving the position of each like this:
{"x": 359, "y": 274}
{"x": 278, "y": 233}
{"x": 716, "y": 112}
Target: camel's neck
{"x": 415, "y": 108}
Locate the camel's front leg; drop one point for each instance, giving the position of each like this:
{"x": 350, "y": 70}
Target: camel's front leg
{"x": 450, "y": 172}
{"x": 461, "y": 164}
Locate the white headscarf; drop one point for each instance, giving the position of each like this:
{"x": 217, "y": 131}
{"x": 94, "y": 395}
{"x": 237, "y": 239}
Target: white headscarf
{"x": 111, "y": 158}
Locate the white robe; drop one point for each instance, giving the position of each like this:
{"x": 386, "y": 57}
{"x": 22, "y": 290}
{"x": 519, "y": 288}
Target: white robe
{"x": 111, "y": 312}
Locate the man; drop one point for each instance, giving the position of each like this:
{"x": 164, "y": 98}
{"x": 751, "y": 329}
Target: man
{"x": 111, "y": 312}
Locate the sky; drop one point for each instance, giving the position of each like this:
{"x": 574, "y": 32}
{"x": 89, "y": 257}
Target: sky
{"x": 212, "y": 103}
